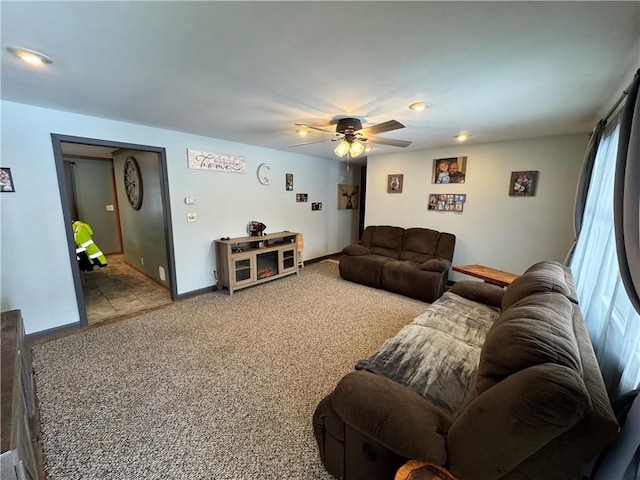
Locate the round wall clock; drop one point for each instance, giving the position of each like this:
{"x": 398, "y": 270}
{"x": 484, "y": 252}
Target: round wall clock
{"x": 133, "y": 182}
{"x": 263, "y": 174}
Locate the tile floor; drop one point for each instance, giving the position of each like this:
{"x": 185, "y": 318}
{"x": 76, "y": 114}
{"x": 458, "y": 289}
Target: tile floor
{"x": 118, "y": 290}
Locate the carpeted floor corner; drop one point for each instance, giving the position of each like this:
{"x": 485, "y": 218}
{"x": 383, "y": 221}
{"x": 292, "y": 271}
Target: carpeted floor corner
{"x": 214, "y": 387}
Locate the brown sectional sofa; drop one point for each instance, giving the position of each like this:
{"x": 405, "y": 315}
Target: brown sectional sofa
{"x": 414, "y": 262}
{"x": 492, "y": 383}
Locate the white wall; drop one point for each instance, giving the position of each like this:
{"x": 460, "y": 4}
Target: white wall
{"x": 508, "y": 233}
{"x": 34, "y": 260}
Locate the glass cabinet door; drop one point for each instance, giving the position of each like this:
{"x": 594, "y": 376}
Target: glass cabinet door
{"x": 243, "y": 270}
{"x": 288, "y": 258}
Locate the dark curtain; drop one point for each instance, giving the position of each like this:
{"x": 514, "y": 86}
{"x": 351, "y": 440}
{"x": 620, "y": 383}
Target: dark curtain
{"x": 583, "y": 184}
{"x": 626, "y": 196}
{"x": 585, "y": 176}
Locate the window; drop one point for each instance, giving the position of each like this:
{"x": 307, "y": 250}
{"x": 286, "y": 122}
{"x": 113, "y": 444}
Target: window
{"x": 613, "y": 323}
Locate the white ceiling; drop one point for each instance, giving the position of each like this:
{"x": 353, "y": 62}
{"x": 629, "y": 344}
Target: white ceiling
{"x": 249, "y": 71}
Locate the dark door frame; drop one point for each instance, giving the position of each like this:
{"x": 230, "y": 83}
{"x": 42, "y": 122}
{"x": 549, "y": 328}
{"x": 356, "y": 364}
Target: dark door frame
{"x": 57, "y": 141}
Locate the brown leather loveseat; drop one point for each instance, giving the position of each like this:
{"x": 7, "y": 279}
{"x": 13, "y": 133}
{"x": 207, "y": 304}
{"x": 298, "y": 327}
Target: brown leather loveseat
{"x": 414, "y": 262}
{"x": 492, "y": 383}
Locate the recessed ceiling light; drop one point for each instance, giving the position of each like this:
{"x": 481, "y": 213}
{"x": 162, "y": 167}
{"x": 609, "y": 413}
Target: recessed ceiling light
{"x": 419, "y": 106}
{"x": 462, "y": 137}
{"x": 30, "y": 56}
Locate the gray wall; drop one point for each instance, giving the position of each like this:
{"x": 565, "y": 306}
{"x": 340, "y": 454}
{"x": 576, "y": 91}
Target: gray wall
{"x": 143, "y": 230}
{"x": 93, "y": 189}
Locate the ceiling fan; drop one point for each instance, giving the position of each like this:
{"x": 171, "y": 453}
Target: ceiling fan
{"x": 351, "y": 135}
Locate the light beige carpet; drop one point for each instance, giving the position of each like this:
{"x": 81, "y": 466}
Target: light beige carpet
{"x": 214, "y": 387}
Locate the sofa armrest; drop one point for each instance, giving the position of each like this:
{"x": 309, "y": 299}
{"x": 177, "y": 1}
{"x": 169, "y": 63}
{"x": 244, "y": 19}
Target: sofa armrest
{"x": 393, "y": 415}
{"x": 514, "y": 419}
{"x": 436, "y": 265}
{"x": 355, "y": 250}
{"x": 486, "y": 293}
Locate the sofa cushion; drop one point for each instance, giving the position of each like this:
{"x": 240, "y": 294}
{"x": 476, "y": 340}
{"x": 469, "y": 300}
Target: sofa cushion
{"x": 437, "y": 354}
{"x": 517, "y": 418}
{"x": 387, "y": 241}
{"x": 479, "y": 292}
{"x": 407, "y": 278}
{"x": 541, "y": 277}
{"x": 436, "y": 265}
{"x": 367, "y": 234}
{"x": 355, "y": 249}
{"x": 419, "y": 244}
{"x": 363, "y": 269}
{"x": 534, "y": 331}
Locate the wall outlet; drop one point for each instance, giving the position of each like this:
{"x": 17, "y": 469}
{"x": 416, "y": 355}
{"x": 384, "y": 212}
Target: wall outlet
{"x": 191, "y": 217}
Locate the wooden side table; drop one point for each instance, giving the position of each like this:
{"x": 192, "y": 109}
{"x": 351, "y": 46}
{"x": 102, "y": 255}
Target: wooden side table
{"x": 419, "y": 470}
{"x": 488, "y": 274}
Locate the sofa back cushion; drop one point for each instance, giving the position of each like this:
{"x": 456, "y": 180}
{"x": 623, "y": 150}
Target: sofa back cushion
{"x": 536, "y": 325}
{"x": 446, "y": 244}
{"x": 367, "y": 234}
{"x": 534, "y": 331}
{"x": 419, "y": 244}
{"x": 387, "y": 241}
{"x": 541, "y": 277}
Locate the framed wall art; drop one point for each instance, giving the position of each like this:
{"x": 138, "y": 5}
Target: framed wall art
{"x": 316, "y": 206}
{"x": 302, "y": 197}
{"x": 447, "y": 202}
{"x": 6, "y": 180}
{"x": 523, "y": 184}
{"x": 394, "y": 183}
{"x": 289, "y": 181}
{"x": 348, "y": 196}
{"x": 449, "y": 170}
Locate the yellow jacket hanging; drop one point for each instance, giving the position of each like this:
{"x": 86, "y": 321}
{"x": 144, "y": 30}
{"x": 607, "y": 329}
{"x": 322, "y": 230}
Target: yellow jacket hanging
{"x": 82, "y": 233}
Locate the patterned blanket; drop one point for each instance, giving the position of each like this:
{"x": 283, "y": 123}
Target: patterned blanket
{"x": 437, "y": 354}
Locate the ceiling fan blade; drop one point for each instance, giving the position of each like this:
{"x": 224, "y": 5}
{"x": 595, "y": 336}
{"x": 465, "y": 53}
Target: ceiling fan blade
{"x": 313, "y": 141}
{"x": 382, "y": 127}
{"x": 389, "y": 141}
{"x": 314, "y": 128}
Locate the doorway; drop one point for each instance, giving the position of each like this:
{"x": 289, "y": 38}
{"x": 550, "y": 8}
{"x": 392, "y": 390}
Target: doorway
{"x": 141, "y": 247}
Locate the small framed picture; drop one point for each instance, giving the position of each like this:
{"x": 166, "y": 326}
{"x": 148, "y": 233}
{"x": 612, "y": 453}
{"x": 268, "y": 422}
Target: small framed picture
{"x": 449, "y": 170}
{"x": 6, "y": 180}
{"x": 302, "y": 197}
{"x": 289, "y": 181}
{"x": 316, "y": 206}
{"x": 523, "y": 184}
{"x": 394, "y": 183}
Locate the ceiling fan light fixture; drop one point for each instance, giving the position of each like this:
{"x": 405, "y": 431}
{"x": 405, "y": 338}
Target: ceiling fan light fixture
{"x": 341, "y": 149}
{"x": 419, "y": 106}
{"x": 30, "y": 56}
{"x": 462, "y": 137}
{"x": 302, "y": 130}
{"x": 356, "y": 148}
